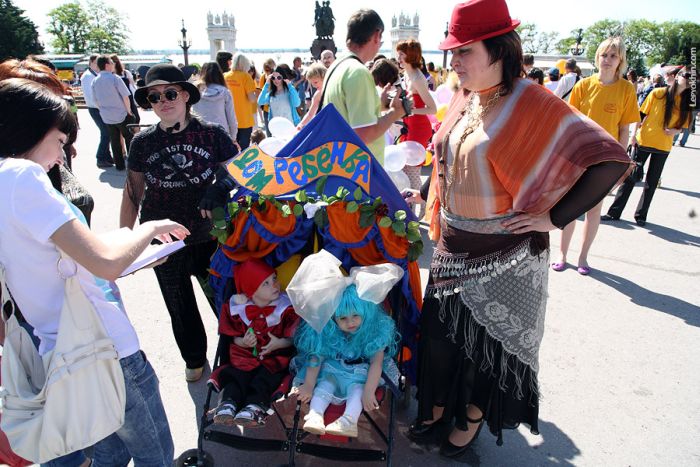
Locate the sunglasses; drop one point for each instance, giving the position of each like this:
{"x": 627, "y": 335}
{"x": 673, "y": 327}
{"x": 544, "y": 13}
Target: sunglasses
{"x": 169, "y": 94}
{"x": 277, "y": 78}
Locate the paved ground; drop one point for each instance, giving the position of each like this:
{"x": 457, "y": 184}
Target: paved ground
{"x": 619, "y": 361}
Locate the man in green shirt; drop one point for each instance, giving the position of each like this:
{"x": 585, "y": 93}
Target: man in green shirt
{"x": 350, "y": 86}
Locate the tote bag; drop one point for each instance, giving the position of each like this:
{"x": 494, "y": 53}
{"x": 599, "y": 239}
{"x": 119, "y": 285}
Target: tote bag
{"x": 73, "y": 396}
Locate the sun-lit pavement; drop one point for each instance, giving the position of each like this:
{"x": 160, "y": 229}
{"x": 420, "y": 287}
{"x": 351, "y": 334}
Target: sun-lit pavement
{"x": 619, "y": 362}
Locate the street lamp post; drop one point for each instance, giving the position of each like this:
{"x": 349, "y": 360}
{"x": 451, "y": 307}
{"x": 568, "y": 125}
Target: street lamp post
{"x": 184, "y": 43}
{"x": 576, "y": 49}
{"x": 444, "y": 54}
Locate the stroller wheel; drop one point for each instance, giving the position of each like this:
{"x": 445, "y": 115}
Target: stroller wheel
{"x": 190, "y": 458}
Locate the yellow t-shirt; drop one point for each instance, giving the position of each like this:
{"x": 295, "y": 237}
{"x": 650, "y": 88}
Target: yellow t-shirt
{"x": 609, "y": 105}
{"x": 651, "y": 134}
{"x": 241, "y": 84}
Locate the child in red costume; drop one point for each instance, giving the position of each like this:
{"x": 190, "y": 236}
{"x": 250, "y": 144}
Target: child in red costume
{"x": 261, "y": 322}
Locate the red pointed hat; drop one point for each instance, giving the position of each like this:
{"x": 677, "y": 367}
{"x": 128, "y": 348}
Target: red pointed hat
{"x": 477, "y": 20}
{"x": 250, "y": 274}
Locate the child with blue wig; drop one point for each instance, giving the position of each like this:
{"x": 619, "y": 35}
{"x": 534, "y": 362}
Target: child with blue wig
{"x": 343, "y": 363}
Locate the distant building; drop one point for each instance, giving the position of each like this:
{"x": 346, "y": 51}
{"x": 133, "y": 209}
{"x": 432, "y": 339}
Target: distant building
{"x": 402, "y": 28}
{"x": 221, "y": 30}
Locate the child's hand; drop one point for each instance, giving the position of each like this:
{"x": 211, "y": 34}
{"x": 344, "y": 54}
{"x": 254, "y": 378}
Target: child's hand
{"x": 274, "y": 344}
{"x": 304, "y": 393}
{"x": 249, "y": 340}
{"x": 369, "y": 401}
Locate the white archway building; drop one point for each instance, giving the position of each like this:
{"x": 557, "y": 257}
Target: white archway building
{"x": 221, "y": 30}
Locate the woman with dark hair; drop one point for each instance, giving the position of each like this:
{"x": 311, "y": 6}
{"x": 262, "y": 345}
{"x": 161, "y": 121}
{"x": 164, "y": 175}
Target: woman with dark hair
{"x": 501, "y": 181}
{"x": 216, "y": 103}
{"x": 61, "y": 175}
{"x": 536, "y": 75}
{"x": 665, "y": 112}
{"x": 281, "y": 96}
{"x": 35, "y": 222}
{"x": 128, "y": 79}
{"x": 171, "y": 170}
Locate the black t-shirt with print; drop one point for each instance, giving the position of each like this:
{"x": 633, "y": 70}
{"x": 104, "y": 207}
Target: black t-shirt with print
{"x": 177, "y": 169}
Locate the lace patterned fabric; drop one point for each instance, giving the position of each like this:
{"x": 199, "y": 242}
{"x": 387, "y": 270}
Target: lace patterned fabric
{"x": 506, "y": 293}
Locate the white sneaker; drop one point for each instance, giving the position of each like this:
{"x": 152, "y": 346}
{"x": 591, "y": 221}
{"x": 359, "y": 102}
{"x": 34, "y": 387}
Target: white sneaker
{"x": 193, "y": 374}
{"x": 225, "y": 413}
{"x": 343, "y": 426}
{"x": 314, "y": 423}
{"x": 251, "y": 416}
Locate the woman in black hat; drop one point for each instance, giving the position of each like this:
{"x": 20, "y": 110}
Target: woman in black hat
{"x": 172, "y": 166}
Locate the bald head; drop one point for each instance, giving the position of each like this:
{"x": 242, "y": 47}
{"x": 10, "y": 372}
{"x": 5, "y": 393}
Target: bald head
{"x": 327, "y": 57}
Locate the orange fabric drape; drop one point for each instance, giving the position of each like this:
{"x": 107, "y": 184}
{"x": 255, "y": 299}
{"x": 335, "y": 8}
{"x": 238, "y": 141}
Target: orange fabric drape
{"x": 253, "y": 245}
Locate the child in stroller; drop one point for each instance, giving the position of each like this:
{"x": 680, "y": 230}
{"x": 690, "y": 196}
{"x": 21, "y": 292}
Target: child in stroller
{"x": 344, "y": 362}
{"x": 260, "y": 323}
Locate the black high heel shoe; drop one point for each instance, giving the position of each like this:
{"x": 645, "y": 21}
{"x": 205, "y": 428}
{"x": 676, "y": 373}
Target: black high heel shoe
{"x": 422, "y": 433}
{"x": 452, "y": 451}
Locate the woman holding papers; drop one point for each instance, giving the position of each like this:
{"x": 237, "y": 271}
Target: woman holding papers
{"x": 171, "y": 169}
{"x": 35, "y": 222}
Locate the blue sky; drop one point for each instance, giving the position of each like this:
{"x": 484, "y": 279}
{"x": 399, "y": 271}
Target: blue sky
{"x": 155, "y": 24}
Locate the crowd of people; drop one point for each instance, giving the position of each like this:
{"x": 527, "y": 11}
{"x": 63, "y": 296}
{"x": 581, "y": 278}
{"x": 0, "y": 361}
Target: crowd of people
{"x": 490, "y": 221}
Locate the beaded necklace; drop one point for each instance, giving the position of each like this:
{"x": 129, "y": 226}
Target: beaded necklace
{"x": 475, "y": 116}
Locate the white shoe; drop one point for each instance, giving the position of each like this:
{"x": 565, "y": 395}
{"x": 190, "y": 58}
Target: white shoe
{"x": 314, "y": 423}
{"x": 193, "y": 374}
{"x": 343, "y": 426}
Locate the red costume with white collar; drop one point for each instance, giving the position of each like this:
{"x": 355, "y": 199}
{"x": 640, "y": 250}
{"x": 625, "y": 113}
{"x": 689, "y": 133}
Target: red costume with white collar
{"x": 278, "y": 318}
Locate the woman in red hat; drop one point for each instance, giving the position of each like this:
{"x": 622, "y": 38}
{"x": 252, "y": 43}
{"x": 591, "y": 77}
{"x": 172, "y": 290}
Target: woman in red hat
{"x": 501, "y": 181}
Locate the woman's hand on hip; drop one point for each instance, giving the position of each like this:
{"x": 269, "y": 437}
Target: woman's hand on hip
{"x": 523, "y": 223}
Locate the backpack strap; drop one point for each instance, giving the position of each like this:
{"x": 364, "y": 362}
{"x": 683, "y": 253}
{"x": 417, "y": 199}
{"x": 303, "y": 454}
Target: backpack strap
{"x": 572, "y": 88}
{"x": 328, "y": 78}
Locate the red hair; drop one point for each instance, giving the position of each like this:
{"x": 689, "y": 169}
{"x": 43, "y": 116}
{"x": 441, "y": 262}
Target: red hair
{"x": 33, "y": 71}
{"x": 413, "y": 51}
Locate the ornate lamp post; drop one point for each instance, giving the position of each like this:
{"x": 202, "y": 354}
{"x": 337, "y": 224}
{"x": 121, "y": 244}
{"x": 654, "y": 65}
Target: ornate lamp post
{"x": 444, "y": 54}
{"x": 576, "y": 49}
{"x": 184, "y": 43}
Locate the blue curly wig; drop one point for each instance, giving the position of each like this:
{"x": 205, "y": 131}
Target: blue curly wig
{"x": 377, "y": 332}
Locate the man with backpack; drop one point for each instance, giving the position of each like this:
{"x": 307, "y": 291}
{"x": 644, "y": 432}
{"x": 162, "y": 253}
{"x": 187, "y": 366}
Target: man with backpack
{"x": 568, "y": 81}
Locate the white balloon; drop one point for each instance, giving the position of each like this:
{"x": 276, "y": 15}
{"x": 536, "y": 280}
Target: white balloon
{"x": 280, "y": 127}
{"x": 400, "y": 179}
{"x": 415, "y": 152}
{"x": 444, "y": 94}
{"x": 394, "y": 158}
{"x": 272, "y": 145}
{"x": 434, "y": 95}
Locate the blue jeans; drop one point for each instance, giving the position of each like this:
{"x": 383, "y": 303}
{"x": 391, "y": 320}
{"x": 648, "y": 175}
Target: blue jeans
{"x": 103, "y": 147}
{"x": 145, "y": 436}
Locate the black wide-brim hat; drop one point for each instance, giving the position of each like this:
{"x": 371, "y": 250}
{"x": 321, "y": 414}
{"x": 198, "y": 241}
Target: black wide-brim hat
{"x": 165, "y": 73}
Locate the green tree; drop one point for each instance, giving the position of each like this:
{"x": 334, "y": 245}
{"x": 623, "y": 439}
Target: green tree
{"x": 108, "y": 33}
{"x": 99, "y": 28}
{"x": 546, "y": 42}
{"x": 528, "y": 37}
{"x": 70, "y": 27}
{"x": 675, "y": 40}
{"x": 19, "y": 34}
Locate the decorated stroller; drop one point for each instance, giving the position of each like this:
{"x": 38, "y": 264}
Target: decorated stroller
{"x": 322, "y": 190}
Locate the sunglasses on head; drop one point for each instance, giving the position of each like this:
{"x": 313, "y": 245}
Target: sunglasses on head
{"x": 169, "y": 94}
{"x": 277, "y": 78}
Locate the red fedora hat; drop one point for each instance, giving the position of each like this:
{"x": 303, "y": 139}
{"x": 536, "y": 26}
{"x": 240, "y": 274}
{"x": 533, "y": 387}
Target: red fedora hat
{"x": 477, "y": 20}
